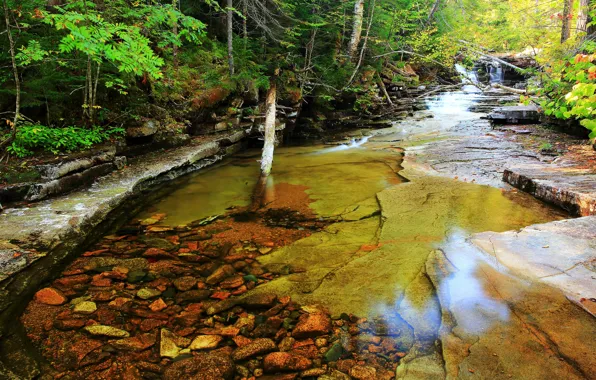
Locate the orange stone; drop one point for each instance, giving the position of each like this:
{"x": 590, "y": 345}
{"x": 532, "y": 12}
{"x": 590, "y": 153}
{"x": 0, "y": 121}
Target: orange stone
{"x": 158, "y": 305}
{"x": 50, "y": 296}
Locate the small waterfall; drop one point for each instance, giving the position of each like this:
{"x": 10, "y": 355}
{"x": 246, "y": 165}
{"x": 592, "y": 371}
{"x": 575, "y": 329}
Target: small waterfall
{"x": 496, "y": 73}
{"x": 353, "y": 144}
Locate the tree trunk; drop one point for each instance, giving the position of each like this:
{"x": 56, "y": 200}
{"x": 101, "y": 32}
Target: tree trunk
{"x": 244, "y": 23}
{"x": 356, "y": 28}
{"x": 230, "y": 19}
{"x": 582, "y": 16}
{"x": 17, "y": 81}
{"x": 267, "y": 157}
{"x": 433, "y": 10}
{"x": 566, "y": 25}
{"x": 363, "y": 50}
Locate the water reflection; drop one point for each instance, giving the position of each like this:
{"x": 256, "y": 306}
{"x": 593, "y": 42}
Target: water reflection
{"x": 475, "y": 309}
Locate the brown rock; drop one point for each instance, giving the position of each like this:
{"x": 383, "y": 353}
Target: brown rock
{"x": 205, "y": 342}
{"x": 285, "y": 361}
{"x": 193, "y": 296}
{"x": 256, "y": 347}
{"x": 258, "y": 300}
{"x": 360, "y": 372}
{"x": 50, "y": 296}
{"x": 69, "y": 324}
{"x": 70, "y": 281}
{"x": 220, "y": 274}
{"x": 158, "y": 305}
{"x": 312, "y": 325}
{"x": 201, "y": 367}
{"x": 136, "y": 343}
{"x": 232, "y": 282}
{"x": 185, "y": 283}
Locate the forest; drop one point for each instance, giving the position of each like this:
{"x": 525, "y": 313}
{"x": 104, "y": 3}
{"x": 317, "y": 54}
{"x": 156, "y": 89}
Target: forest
{"x": 77, "y": 73}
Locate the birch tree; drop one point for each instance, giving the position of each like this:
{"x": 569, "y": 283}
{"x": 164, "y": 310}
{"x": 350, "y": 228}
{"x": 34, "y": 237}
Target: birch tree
{"x": 582, "y": 16}
{"x": 566, "y": 18}
{"x": 356, "y": 28}
{"x": 230, "y": 21}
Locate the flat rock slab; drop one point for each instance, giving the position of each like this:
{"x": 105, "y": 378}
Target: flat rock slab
{"x": 472, "y": 152}
{"x": 515, "y": 115}
{"x": 65, "y": 221}
{"x": 560, "y": 184}
{"x": 561, "y": 253}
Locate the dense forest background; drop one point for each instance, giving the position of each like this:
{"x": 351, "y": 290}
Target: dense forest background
{"x": 78, "y": 72}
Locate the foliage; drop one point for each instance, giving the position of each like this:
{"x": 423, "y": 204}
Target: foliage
{"x": 570, "y": 90}
{"x": 31, "y": 138}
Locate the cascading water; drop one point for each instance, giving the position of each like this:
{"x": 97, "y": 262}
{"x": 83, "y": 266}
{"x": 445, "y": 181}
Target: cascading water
{"x": 496, "y": 73}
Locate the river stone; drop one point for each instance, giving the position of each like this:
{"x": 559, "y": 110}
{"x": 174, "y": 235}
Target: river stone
{"x": 101, "y": 330}
{"x": 136, "y": 276}
{"x": 85, "y": 307}
{"x": 185, "y": 283}
{"x": 136, "y": 343}
{"x": 220, "y": 274}
{"x": 148, "y": 128}
{"x": 168, "y": 347}
{"x": 201, "y": 367}
{"x": 334, "y": 353}
{"x": 193, "y": 296}
{"x": 285, "y": 361}
{"x": 205, "y": 342}
{"x": 50, "y": 296}
{"x": 147, "y": 293}
{"x": 311, "y": 326}
{"x": 256, "y": 347}
{"x": 135, "y": 264}
{"x": 160, "y": 243}
{"x": 361, "y": 372}
{"x": 259, "y": 300}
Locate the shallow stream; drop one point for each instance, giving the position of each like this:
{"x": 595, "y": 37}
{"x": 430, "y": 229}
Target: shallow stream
{"x": 362, "y": 236}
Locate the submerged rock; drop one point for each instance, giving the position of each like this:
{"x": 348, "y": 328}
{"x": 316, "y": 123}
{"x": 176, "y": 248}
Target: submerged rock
{"x": 50, "y": 296}
{"x": 311, "y": 326}
{"x": 285, "y": 361}
{"x": 205, "y": 342}
{"x": 101, "y": 330}
{"x": 202, "y": 366}
{"x": 256, "y": 347}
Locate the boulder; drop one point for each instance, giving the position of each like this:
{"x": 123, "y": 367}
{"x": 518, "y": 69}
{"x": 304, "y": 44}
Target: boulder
{"x": 148, "y": 128}
{"x": 515, "y": 115}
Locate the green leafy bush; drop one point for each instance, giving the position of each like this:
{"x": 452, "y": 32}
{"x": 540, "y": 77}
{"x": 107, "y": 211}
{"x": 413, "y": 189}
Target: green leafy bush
{"x": 31, "y": 138}
{"x": 571, "y": 91}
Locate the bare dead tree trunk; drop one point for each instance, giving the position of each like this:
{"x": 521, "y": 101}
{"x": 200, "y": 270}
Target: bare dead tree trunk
{"x": 384, "y": 89}
{"x": 17, "y": 81}
{"x": 566, "y": 25}
{"x": 271, "y": 109}
{"x": 230, "y": 19}
{"x": 433, "y": 10}
{"x": 356, "y": 28}
{"x": 582, "y": 16}
{"x": 94, "y": 97}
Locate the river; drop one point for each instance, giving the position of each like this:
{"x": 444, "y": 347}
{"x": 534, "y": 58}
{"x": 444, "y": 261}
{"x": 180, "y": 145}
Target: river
{"x": 347, "y": 229}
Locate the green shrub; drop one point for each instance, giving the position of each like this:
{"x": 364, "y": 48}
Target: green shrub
{"x": 31, "y": 138}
